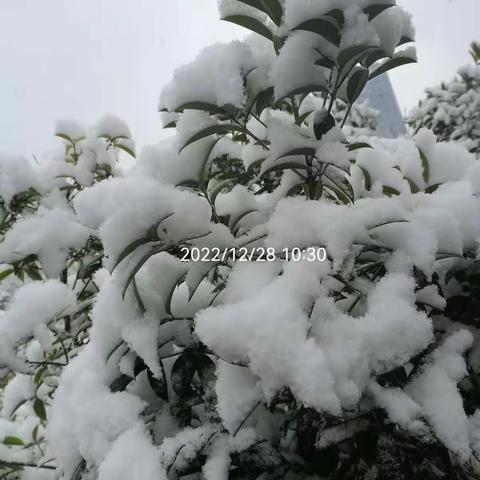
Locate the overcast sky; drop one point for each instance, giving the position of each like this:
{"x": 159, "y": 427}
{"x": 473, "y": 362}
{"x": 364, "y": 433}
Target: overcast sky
{"x": 79, "y": 59}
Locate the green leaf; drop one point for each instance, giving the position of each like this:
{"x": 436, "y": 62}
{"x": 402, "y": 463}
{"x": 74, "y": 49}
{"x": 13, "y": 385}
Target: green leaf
{"x": 38, "y": 376}
{"x": 219, "y": 188}
{"x": 272, "y": 8}
{"x": 193, "y": 287}
{"x": 432, "y": 188}
{"x": 159, "y": 386}
{"x": 367, "y": 177}
{"x": 285, "y": 166}
{"x": 65, "y": 137}
{"x": 168, "y": 300}
{"x": 39, "y": 409}
{"x": 6, "y": 273}
{"x": 413, "y": 186}
{"x": 338, "y": 16}
{"x": 120, "y": 383}
{"x": 220, "y": 129}
{"x": 297, "y": 151}
{"x": 35, "y": 433}
{"x": 188, "y": 183}
{"x": 352, "y": 55}
{"x": 197, "y": 105}
{"x": 139, "y": 366}
{"x": 391, "y": 64}
{"x": 373, "y": 56}
{"x": 318, "y": 190}
{"x": 205, "y": 368}
{"x": 323, "y": 26}
{"x": 325, "y": 62}
{"x": 404, "y": 39}
{"x": 151, "y": 236}
{"x": 138, "y": 297}
{"x": 182, "y": 374}
{"x": 242, "y": 215}
{"x": 278, "y": 43}
{"x": 306, "y": 90}
{"x": 390, "y": 192}
{"x": 425, "y": 166}
{"x": 264, "y": 98}
{"x": 9, "y": 440}
{"x": 125, "y": 149}
{"x": 303, "y": 117}
{"x": 374, "y": 10}
{"x": 131, "y": 248}
{"x": 251, "y": 24}
{"x": 322, "y": 124}
{"x": 357, "y": 146}
{"x": 339, "y": 193}
{"x": 356, "y": 84}
{"x": 114, "y": 349}
{"x": 17, "y": 406}
{"x": 254, "y": 165}
{"x": 204, "y": 171}
{"x": 139, "y": 265}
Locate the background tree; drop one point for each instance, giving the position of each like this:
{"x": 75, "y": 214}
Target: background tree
{"x": 452, "y": 110}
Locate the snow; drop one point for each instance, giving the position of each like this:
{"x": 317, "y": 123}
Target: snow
{"x": 298, "y": 11}
{"x": 21, "y": 429}
{"x": 450, "y": 109}
{"x": 132, "y": 457}
{"x": 238, "y": 392}
{"x": 72, "y": 129}
{"x": 393, "y": 24}
{"x": 113, "y": 127}
{"x": 33, "y": 306}
{"x": 18, "y": 390}
{"x": 386, "y": 336}
{"x": 123, "y": 209}
{"x": 39, "y": 234}
{"x": 279, "y": 352}
{"x": 223, "y": 64}
{"x": 295, "y": 66}
{"x": 86, "y": 419}
{"x": 218, "y": 464}
{"x": 358, "y": 30}
{"x": 401, "y": 408}
{"x": 17, "y": 175}
{"x": 228, "y": 8}
{"x": 177, "y": 451}
{"x": 430, "y": 296}
{"x": 435, "y": 389}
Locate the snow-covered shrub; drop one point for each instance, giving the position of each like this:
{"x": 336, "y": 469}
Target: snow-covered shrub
{"x": 269, "y": 303}
{"x": 362, "y": 120}
{"x": 49, "y": 260}
{"x": 452, "y": 110}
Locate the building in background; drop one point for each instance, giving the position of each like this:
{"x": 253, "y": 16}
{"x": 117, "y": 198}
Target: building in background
{"x": 380, "y": 96}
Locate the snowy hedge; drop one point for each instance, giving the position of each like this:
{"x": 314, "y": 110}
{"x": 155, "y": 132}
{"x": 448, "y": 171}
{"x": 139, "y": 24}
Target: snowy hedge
{"x": 259, "y": 296}
{"x": 452, "y": 109}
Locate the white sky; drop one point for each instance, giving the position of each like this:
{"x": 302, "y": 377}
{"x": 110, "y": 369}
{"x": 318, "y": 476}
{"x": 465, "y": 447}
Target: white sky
{"x": 80, "y": 59}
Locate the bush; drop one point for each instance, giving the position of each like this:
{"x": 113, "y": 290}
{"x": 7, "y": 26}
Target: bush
{"x": 44, "y": 246}
{"x": 452, "y": 110}
{"x": 271, "y": 296}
